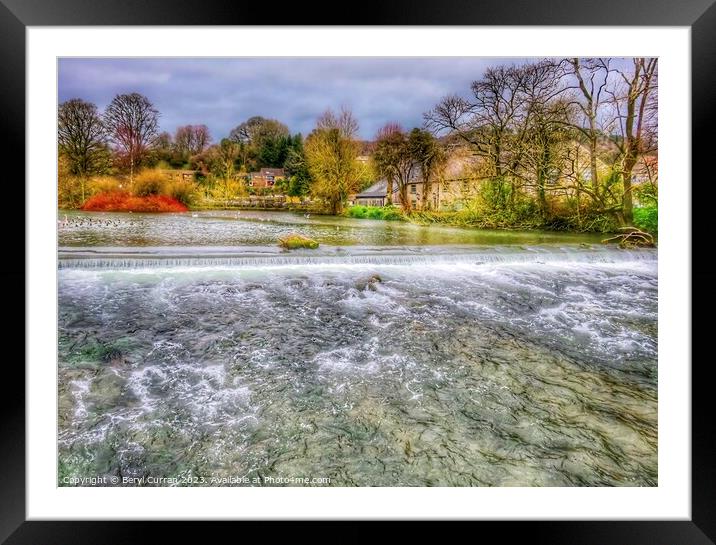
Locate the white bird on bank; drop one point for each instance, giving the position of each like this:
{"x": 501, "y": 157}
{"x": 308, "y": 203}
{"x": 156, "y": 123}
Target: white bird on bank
{"x": 195, "y": 215}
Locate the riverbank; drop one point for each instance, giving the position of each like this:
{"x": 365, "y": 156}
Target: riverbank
{"x": 645, "y": 218}
{"x": 150, "y": 193}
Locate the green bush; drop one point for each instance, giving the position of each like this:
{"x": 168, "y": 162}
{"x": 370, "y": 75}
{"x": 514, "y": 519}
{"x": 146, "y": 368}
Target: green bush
{"x": 388, "y": 213}
{"x": 494, "y": 194}
{"x": 294, "y": 241}
{"x": 374, "y": 213}
{"x": 647, "y": 219}
{"x": 391, "y": 214}
{"x": 356, "y": 211}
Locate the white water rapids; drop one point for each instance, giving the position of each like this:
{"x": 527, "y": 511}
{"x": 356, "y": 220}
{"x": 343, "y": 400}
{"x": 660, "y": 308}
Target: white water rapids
{"x": 451, "y": 364}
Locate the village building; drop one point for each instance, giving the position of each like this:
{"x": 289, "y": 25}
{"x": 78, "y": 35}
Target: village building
{"x": 375, "y": 195}
{"x": 451, "y": 190}
{"x": 442, "y": 194}
{"x": 266, "y": 177}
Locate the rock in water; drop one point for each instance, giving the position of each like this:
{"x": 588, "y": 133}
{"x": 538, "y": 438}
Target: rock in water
{"x": 368, "y": 283}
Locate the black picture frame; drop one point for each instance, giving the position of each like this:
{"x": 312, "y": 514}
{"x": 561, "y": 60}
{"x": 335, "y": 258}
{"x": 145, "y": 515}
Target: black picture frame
{"x": 699, "y": 15}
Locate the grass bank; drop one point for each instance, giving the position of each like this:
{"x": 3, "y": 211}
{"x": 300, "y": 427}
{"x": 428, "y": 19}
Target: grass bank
{"x": 375, "y": 213}
{"x": 645, "y": 218}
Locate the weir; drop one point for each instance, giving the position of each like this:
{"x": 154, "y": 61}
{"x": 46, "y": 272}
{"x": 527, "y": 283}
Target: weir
{"x": 162, "y": 258}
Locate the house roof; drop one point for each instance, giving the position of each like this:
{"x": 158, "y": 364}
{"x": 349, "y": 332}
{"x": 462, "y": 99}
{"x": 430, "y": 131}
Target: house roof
{"x": 376, "y": 191}
{"x": 268, "y": 172}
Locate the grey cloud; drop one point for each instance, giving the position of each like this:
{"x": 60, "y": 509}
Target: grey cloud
{"x": 222, "y": 92}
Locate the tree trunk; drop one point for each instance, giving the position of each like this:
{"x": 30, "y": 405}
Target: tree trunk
{"x": 389, "y": 191}
{"x": 593, "y": 163}
{"x": 404, "y": 201}
{"x": 427, "y": 190}
{"x": 498, "y": 162}
{"x": 541, "y": 194}
{"x": 627, "y": 200}
{"x": 541, "y": 180}
{"x": 621, "y": 220}
{"x": 336, "y": 207}
{"x": 633, "y": 144}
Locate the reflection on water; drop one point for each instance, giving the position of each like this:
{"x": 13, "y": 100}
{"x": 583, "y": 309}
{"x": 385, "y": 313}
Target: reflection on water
{"x": 538, "y": 369}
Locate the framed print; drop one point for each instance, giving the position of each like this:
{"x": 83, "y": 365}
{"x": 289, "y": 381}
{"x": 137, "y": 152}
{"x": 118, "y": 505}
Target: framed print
{"x": 400, "y": 268}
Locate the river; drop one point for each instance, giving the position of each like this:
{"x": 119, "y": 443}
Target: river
{"x": 192, "y": 348}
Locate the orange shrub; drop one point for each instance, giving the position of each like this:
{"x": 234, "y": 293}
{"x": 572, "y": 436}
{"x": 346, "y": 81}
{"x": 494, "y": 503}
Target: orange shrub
{"x": 121, "y": 201}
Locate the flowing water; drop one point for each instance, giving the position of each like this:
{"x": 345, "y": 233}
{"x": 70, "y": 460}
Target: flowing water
{"x": 193, "y": 351}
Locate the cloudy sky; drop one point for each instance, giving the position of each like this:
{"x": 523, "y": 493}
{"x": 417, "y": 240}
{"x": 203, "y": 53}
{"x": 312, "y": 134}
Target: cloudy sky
{"x": 223, "y": 92}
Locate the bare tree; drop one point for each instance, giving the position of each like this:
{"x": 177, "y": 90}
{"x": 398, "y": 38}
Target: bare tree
{"x": 394, "y": 161}
{"x": 484, "y": 121}
{"x": 222, "y": 159}
{"x": 540, "y": 161}
{"x": 192, "y": 139}
{"x": 575, "y": 128}
{"x": 384, "y": 156}
{"x": 592, "y": 79}
{"x": 343, "y": 122}
{"x": 133, "y": 123}
{"x": 81, "y": 138}
{"x": 430, "y": 158}
{"x": 202, "y": 138}
{"x": 542, "y": 127}
{"x": 498, "y": 119}
{"x": 635, "y": 117}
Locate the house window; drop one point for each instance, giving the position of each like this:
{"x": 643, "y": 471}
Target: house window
{"x": 413, "y": 188}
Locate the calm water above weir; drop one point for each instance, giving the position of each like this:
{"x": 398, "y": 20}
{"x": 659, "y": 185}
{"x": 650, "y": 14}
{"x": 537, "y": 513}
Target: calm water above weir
{"x": 192, "y": 348}
{"x": 242, "y": 228}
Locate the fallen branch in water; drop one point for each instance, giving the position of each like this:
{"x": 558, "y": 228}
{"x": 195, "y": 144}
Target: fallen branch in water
{"x": 633, "y": 238}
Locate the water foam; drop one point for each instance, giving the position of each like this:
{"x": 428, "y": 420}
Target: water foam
{"x": 163, "y": 259}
